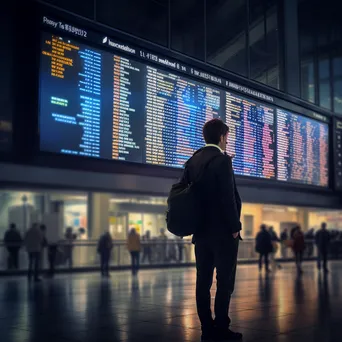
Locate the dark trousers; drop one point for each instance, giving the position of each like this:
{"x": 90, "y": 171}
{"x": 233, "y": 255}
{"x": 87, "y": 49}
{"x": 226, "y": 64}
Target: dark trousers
{"x": 222, "y": 255}
{"x": 147, "y": 254}
{"x": 135, "y": 257}
{"x": 52, "y": 253}
{"x": 265, "y": 257}
{"x": 299, "y": 259}
{"x": 105, "y": 258}
{"x": 13, "y": 257}
{"x": 34, "y": 265}
{"x": 322, "y": 256}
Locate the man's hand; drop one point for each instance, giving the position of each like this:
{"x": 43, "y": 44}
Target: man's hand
{"x": 235, "y": 235}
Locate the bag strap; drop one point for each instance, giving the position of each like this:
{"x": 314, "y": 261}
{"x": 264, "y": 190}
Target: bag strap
{"x": 201, "y": 173}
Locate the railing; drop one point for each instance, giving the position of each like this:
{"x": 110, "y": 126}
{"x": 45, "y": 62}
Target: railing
{"x": 83, "y": 254}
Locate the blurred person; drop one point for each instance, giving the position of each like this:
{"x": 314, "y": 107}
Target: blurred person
{"x": 147, "y": 248}
{"x": 172, "y": 251}
{"x": 34, "y": 242}
{"x": 13, "y": 241}
{"x": 52, "y": 241}
{"x": 275, "y": 240}
{"x": 298, "y": 247}
{"x": 310, "y": 240}
{"x": 134, "y": 246}
{"x": 283, "y": 238}
{"x": 217, "y": 239}
{"x": 322, "y": 240}
{"x": 180, "y": 245}
{"x": 70, "y": 237}
{"x": 162, "y": 246}
{"x": 104, "y": 248}
{"x": 263, "y": 246}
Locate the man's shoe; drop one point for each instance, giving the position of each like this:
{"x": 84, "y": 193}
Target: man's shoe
{"x": 228, "y": 335}
{"x": 208, "y": 335}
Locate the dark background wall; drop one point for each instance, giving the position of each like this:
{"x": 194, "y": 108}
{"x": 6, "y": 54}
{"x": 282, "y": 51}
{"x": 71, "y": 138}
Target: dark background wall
{"x": 292, "y": 45}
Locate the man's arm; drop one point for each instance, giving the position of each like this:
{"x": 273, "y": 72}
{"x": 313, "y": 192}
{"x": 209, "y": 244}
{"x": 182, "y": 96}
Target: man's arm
{"x": 229, "y": 210}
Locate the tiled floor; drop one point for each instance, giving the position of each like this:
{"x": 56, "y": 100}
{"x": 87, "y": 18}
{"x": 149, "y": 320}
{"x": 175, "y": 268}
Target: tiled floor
{"x": 159, "y": 305}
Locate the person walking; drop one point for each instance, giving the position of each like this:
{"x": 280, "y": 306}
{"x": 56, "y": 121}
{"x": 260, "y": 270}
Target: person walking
{"x": 13, "y": 241}
{"x": 283, "y": 239}
{"x": 104, "y": 248}
{"x": 147, "y": 248}
{"x": 34, "y": 242}
{"x": 275, "y": 240}
{"x": 263, "y": 246}
{"x": 322, "y": 239}
{"x": 134, "y": 246}
{"x": 298, "y": 247}
{"x": 70, "y": 237}
{"x": 217, "y": 239}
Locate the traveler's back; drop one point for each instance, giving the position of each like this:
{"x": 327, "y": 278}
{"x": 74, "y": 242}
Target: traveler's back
{"x": 220, "y": 201}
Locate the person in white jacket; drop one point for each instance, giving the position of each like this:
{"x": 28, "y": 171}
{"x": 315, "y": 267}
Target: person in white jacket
{"x": 34, "y": 242}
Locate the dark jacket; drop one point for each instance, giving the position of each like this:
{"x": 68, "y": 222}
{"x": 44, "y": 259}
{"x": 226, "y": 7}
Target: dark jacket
{"x": 12, "y": 238}
{"x": 283, "y": 236}
{"x": 322, "y": 239}
{"x": 298, "y": 241}
{"x": 263, "y": 242}
{"x": 105, "y": 244}
{"x": 220, "y": 200}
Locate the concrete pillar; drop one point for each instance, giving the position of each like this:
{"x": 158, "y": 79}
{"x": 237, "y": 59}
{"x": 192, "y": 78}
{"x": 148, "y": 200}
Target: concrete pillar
{"x": 98, "y": 214}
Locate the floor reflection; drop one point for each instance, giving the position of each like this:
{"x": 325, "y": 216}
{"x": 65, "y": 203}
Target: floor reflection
{"x": 159, "y": 305}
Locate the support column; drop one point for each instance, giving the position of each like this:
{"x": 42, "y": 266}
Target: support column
{"x": 291, "y": 48}
{"x": 98, "y": 214}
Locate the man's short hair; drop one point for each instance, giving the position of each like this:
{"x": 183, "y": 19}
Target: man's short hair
{"x": 213, "y": 130}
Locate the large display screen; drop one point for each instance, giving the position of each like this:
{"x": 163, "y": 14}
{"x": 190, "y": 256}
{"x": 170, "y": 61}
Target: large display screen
{"x": 302, "y": 149}
{"x": 100, "y": 104}
{"x": 251, "y": 137}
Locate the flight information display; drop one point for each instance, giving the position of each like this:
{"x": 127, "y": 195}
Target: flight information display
{"x": 103, "y": 104}
{"x": 251, "y": 137}
{"x": 96, "y": 104}
{"x": 302, "y": 149}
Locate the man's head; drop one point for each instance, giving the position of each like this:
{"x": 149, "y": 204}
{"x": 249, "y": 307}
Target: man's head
{"x": 271, "y": 229}
{"x": 263, "y": 227}
{"x": 216, "y": 132}
{"x": 324, "y": 226}
{"x": 13, "y": 226}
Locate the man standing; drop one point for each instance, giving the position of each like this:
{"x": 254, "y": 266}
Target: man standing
{"x": 13, "y": 240}
{"x": 34, "y": 242}
{"x": 322, "y": 239}
{"x": 217, "y": 240}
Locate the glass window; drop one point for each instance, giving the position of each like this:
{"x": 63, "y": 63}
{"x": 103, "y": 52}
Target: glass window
{"x": 307, "y": 50}
{"x": 337, "y": 67}
{"x": 264, "y": 42}
{"x": 187, "y": 27}
{"x": 226, "y": 34}
{"x": 308, "y": 81}
{"x": 81, "y": 7}
{"x": 324, "y": 83}
{"x": 147, "y": 19}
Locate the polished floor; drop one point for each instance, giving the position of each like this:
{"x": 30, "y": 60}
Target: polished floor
{"x": 159, "y": 305}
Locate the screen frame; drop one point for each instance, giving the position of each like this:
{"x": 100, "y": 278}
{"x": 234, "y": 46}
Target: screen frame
{"x": 55, "y": 159}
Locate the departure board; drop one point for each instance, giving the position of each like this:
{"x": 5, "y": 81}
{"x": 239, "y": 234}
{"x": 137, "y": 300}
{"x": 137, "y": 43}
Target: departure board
{"x": 96, "y": 104}
{"x": 251, "y": 137}
{"x": 302, "y": 149}
{"x": 102, "y": 104}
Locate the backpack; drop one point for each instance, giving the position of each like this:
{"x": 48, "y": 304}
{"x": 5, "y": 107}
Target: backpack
{"x": 185, "y": 215}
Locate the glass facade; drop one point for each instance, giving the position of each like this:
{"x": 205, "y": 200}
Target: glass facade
{"x": 89, "y": 215}
{"x": 120, "y": 213}
{"x": 320, "y": 28}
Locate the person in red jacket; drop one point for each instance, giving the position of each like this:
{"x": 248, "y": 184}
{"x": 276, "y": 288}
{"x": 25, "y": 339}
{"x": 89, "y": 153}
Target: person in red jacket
{"x": 298, "y": 247}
